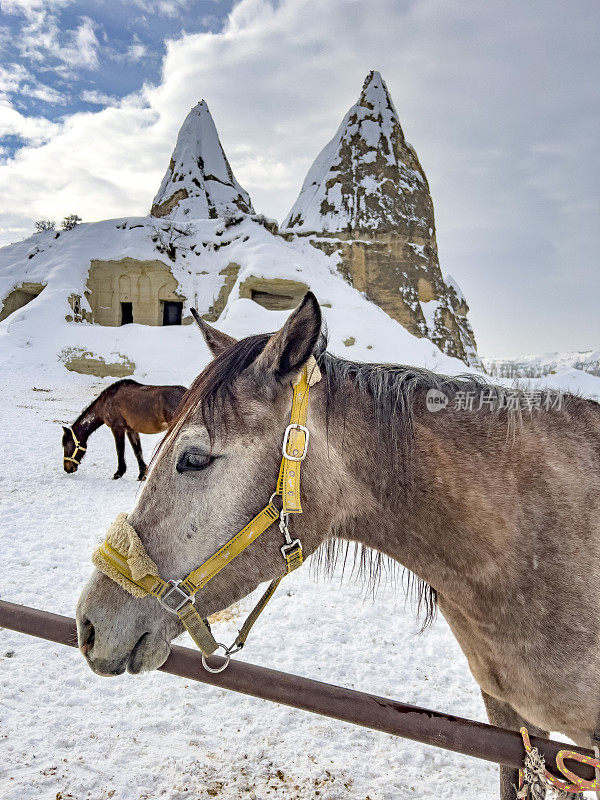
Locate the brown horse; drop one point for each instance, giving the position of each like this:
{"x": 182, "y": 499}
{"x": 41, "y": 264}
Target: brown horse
{"x": 128, "y": 408}
{"x": 496, "y": 511}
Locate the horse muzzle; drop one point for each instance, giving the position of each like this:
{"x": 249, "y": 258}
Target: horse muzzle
{"x": 115, "y": 634}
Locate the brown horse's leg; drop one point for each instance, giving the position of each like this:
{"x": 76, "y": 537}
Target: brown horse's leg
{"x": 500, "y": 713}
{"x": 119, "y": 434}
{"x": 136, "y": 445}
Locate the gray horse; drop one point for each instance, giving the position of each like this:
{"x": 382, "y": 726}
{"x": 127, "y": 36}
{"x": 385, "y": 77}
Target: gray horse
{"x": 496, "y": 510}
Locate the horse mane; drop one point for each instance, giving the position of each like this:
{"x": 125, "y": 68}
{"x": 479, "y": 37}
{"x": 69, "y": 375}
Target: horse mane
{"x": 108, "y": 392}
{"x": 212, "y": 390}
{"x": 391, "y": 386}
{"x": 392, "y": 389}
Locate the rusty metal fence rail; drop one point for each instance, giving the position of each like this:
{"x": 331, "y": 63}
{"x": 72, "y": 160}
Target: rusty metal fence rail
{"x": 359, "y": 708}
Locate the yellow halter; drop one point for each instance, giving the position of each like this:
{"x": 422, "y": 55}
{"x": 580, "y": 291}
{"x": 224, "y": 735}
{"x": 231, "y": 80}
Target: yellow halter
{"x": 122, "y": 556}
{"x": 78, "y": 446}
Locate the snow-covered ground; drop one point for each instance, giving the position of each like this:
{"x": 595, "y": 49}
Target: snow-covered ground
{"x": 66, "y": 733}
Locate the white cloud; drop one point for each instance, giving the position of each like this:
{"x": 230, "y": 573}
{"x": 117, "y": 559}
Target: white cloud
{"x": 98, "y": 98}
{"x": 34, "y": 130}
{"x": 41, "y": 37}
{"x": 504, "y": 133}
{"x": 16, "y": 79}
{"x": 31, "y": 7}
{"x": 46, "y": 93}
{"x": 12, "y": 76}
{"x": 136, "y": 51}
{"x": 168, "y": 8}
{"x": 82, "y": 50}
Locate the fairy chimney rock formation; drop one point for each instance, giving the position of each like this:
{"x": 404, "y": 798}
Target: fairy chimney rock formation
{"x": 199, "y": 182}
{"x": 367, "y": 199}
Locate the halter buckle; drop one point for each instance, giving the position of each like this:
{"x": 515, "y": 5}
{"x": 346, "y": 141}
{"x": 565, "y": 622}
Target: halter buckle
{"x": 286, "y": 437}
{"x": 292, "y": 554}
{"x": 286, "y": 549}
{"x": 186, "y": 598}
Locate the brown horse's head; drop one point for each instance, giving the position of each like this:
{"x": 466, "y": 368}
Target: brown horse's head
{"x": 73, "y": 450}
{"x": 214, "y": 471}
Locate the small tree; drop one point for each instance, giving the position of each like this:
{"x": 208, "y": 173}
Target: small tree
{"x": 70, "y": 222}
{"x": 231, "y": 218}
{"x": 42, "y": 225}
{"x": 168, "y": 237}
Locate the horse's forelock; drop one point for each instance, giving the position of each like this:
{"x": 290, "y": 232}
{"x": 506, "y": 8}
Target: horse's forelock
{"x": 212, "y": 389}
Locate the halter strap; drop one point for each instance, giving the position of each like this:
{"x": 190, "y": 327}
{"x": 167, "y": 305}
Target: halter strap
{"x": 178, "y": 596}
{"x": 78, "y": 446}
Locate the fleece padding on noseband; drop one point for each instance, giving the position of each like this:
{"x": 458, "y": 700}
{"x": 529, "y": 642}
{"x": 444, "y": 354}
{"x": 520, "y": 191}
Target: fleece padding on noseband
{"x": 123, "y": 538}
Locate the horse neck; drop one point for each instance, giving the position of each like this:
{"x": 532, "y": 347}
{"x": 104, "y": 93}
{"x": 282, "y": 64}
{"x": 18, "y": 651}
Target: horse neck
{"x": 88, "y": 421}
{"x": 402, "y": 507}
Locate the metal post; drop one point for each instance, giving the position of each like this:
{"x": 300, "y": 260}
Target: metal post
{"x": 380, "y": 713}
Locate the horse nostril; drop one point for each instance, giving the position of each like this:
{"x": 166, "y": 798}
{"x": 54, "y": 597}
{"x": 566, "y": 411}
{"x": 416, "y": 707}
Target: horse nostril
{"x": 87, "y": 636}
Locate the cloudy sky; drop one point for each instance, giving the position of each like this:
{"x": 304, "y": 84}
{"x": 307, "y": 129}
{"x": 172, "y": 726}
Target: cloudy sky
{"x": 499, "y": 99}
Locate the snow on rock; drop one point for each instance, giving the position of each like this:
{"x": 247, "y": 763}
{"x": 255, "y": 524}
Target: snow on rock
{"x": 452, "y": 284}
{"x": 214, "y": 252}
{"x": 366, "y": 199}
{"x": 367, "y": 177}
{"x": 199, "y": 182}
{"x": 202, "y": 230}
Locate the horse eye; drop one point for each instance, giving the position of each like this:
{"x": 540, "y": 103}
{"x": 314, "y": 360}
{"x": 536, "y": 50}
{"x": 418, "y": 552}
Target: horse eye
{"x": 193, "y": 461}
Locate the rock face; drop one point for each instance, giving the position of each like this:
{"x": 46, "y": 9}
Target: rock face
{"x": 199, "y": 182}
{"x": 367, "y": 199}
{"x": 20, "y": 297}
{"x": 144, "y": 286}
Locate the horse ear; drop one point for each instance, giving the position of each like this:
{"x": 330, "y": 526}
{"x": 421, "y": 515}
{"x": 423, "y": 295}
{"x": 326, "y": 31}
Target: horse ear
{"x": 288, "y": 350}
{"x": 65, "y": 429}
{"x": 217, "y": 341}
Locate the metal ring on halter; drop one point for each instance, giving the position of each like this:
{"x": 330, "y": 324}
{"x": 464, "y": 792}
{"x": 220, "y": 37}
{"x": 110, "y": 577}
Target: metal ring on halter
{"x": 273, "y": 496}
{"x": 223, "y": 666}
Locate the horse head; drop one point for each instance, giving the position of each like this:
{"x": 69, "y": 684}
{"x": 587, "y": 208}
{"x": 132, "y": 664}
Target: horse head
{"x": 213, "y": 472}
{"x": 73, "y": 450}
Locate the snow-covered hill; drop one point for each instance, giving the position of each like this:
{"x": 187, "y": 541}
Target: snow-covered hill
{"x": 203, "y": 239}
{"x": 39, "y": 336}
{"x": 202, "y": 230}
{"x": 199, "y": 182}
{"x": 203, "y": 234}
{"x": 538, "y": 366}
